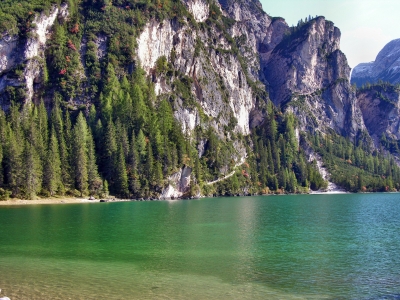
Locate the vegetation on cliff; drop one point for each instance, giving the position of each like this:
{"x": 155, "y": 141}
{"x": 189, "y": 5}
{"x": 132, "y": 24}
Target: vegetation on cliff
{"x": 130, "y": 143}
{"x": 101, "y": 129}
{"x": 356, "y": 167}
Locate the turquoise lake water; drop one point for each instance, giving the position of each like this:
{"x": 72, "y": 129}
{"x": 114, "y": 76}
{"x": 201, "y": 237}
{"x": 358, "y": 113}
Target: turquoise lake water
{"x": 272, "y": 247}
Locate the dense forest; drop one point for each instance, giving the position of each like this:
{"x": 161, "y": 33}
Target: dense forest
{"x": 357, "y": 168}
{"x": 131, "y": 143}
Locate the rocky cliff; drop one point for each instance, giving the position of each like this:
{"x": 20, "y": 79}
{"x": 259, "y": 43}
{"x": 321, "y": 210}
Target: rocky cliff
{"x": 216, "y": 78}
{"x": 308, "y": 73}
{"x": 380, "y": 106}
{"x": 386, "y": 67}
{"x": 22, "y": 60}
{"x": 301, "y": 66}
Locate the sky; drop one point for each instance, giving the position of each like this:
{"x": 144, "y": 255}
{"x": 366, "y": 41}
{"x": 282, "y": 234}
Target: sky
{"x": 366, "y": 25}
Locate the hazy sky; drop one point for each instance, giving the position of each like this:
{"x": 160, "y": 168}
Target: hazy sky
{"x": 366, "y": 25}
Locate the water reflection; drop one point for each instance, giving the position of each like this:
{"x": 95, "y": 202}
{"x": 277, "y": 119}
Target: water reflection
{"x": 309, "y": 246}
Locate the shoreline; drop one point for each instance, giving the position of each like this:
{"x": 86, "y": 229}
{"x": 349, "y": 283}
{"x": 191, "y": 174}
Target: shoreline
{"x": 67, "y": 200}
{"x": 72, "y": 200}
{"x": 332, "y": 192}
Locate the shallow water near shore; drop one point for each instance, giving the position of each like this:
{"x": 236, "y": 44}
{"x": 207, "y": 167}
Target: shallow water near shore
{"x": 343, "y": 246}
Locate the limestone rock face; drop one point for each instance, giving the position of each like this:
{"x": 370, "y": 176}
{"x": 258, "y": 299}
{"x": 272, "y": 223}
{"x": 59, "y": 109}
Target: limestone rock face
{"x": 386, "y": 67}
{"x": 199, "y": 9}
{"x": 308, "y": 73}
{"x": 380, "y": 106}
{"x": 300, "y": 63}
{"x": 27, "y": 54}
{"x": 223, "y": 72}
{"x": 256, "y": 33}
{"x": 217, "y": 80}
{"x": 179, "y": 184}
{"x": 8, "y": 53}
{"x": 302, "y": 67}
{"x": 220, "y": 73}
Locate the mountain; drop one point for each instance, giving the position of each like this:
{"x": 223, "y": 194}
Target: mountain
{"x": 177, "y": 98}
{"x": 307, "y": 73}
{"x": 386, "y": 67}
{"x": 380, "y": 106}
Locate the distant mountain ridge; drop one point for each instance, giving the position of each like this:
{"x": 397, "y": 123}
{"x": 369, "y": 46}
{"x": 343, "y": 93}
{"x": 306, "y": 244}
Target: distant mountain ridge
{"x": 386, "y": 67}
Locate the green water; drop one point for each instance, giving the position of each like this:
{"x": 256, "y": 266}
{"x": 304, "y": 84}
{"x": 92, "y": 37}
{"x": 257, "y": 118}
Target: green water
{"x": 276, "y": 247}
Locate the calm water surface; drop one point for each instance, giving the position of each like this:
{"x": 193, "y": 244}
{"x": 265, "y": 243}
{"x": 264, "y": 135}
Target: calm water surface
{"x": 275, "y": 247}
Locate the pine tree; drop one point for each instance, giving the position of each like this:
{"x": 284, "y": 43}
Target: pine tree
{"x": 270, "y": 159}
{"x": 139, "y": 107}
{"x": 104, "y": 191}
{"x": 122, "y": 136}
{"x": 52, "y": 174}
{"x": 112, "y": 85}
{"x": 68, "y": 128}
{"x": 157, "y": 175}
{"x": 109, "y": 151}
{"x": 57, "y": 124}
{"x": 155, "y": 136}
{"x": 133, "y": 167}
{"x": 32, "y": 174}
{"x": 198, "y": 170}
{"x": 98, "y": 134}
{"x": 94, "y": 180}
{"x": 141, "y": 144}
{"x": 106, "y": 107}
{"x": 13, "y": 163}
{"x": 149, "y": 165}
{"x": 42, "y": 129}
{"x": 121, "y": 177}
{"x": 92, "y": 120}
{"x": 79, "y": 154}
{"x": 133, "y": 158}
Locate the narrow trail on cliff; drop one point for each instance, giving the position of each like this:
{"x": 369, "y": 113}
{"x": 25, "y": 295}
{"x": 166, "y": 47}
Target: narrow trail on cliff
{"x": 230, "y": 174}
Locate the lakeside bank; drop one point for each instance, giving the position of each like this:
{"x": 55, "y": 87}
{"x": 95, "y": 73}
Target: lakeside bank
{"x": 72, "y": 200}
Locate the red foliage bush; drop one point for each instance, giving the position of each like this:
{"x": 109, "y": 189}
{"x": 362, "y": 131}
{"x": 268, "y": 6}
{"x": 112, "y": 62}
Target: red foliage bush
{"x": 71, "y": 45}
{"x": 75, "y": 29}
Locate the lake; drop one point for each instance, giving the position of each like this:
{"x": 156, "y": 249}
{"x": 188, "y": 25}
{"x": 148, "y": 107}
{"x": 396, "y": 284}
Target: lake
{"x": 343, "y": 246}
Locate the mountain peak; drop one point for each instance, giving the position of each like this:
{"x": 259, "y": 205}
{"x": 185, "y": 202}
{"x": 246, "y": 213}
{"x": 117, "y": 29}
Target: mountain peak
{"x": 386, "y": 67}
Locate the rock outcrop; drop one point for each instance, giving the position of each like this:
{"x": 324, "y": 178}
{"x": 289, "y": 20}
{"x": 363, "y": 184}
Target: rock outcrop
{"x": 301, "y": 67}
{"x": 178, "y": 184}
{"x": 22, "y": 59}
{"x": 199, "y": 9}
{"x": 255, "y": 32}
{"x": 216, "y": 77}
{"x": 386, "y": 67}
{"x": 308, "y": 74}
{"x": 380, "y": 106}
